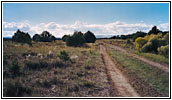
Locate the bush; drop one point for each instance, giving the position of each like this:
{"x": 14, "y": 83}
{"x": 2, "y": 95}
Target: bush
{"x": 70, "y": 41}
{"x": 36, "y": 38}
{"x": 156, "y": 43}
{"x": 64, "y": 38}
{"x": 89, "y": 37}
{"x": 47, "y": 37}
{"x": 154, "y": 30}
{"x": 166, "y": 38}
{"x": 14, "y": 69}
{"x": 150, "y": 43}
{"x": 21, "y": 37}
{"x": 15, "y": 89}
{"x": 123, "y": 37}
{"x": 44, "y": 37}
{"x": 64, "y": 56}
{"x": 164, "y": 50}
{"x": 128, "y": 41}
{"x": 140, "y": 42}
{"x": 147, "y": 47}
{"x": 138, "y": 34}
{"x": 76, "y": 39}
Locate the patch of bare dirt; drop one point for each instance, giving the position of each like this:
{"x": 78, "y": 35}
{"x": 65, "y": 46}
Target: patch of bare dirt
{"x": 120, "y": 85}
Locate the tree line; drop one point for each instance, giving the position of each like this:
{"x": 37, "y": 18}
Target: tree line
{"x": 77, "y": 39}
{"x": 155, "y": 41}
{"x": 133, "y": 36}
{"x": 23, "y": 37}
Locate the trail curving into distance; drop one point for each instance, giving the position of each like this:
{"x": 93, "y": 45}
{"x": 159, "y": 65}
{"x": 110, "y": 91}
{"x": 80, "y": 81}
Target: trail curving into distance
{"x": 118, "y": 80}
{"x": 155, "y": 64}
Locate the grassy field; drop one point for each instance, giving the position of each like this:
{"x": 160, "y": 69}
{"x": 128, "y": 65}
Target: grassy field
{"x": 154, "y": 81}
{"x": 41, "y": 70}
{"x": 42, "y": 73}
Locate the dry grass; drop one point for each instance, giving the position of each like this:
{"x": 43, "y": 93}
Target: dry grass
{"x": 48, "y": 76}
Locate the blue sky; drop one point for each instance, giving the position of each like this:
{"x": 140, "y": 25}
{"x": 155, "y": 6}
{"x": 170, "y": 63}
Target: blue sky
{"x": 92, "y": 16}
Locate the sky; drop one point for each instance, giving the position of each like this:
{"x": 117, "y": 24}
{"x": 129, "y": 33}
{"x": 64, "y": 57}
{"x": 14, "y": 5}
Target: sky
{"x": 103, "y": 19}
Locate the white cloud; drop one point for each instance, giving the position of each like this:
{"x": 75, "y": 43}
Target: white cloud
{"x": 14, "y": 26}
{"x": 164, "y": 27}
{"x": 58, "y": 30}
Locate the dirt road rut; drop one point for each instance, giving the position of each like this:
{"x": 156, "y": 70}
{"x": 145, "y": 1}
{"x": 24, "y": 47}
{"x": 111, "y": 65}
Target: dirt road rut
{"x": 120, "y": 83}
{"x": 160, "y": 66}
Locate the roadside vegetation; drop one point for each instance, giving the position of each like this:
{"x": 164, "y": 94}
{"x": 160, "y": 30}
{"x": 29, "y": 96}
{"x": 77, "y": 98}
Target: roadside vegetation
{"x": 131, "y": 48}
{"x": 157, "y": 81}
{"x": 153, "y": 45}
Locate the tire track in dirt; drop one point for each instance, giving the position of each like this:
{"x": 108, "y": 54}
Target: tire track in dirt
{"x": 155, "y": 64}
{"x": 119, "y": 82}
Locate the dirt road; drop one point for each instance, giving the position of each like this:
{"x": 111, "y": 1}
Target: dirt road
{"x": 155, "y": 64}
{"x": 119, "y": 82}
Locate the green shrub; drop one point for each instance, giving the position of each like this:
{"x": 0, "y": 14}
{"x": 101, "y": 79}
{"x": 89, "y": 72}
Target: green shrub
{"x": 64, "y": 56}
{"x": 44, "y": 37}
{"x": 128, "y": 41}
{"x": 21, "y": 37}
{"x": 14, "y": 68}
{"x": 164, "y": 50}
{"x": 47, "y": 37}
{"x": 138, "y": 34}
{"x": 150, "y": 43}
{"x": 89, "y": 37}
{"x": 166, "y": 38}
{"x": 76, "y": 39}
{"x": 154, "y": 30}
{"x": 14, "y": 88}
{"x": 70, "y": 41}
{"x": 64, "y": 38}
{"x": 147, "y": 47}
{"x": 36, "y": 38}
{"x": 156, "y": 43}
{"x": 140, "y": 42}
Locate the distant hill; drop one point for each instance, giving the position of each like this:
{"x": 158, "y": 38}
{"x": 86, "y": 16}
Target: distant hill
{"x": 7, "y": 38}
{"x": 103, "y": 36}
